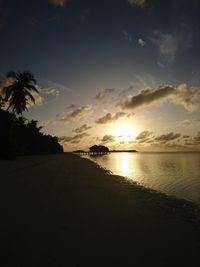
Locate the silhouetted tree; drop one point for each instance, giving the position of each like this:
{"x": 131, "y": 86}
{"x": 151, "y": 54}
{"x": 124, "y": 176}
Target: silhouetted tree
{"x": 2, "y": 102}
{"x": 18, "y": 136}
{"x": 18, "y": 93}
{"x": 99, "y": 149}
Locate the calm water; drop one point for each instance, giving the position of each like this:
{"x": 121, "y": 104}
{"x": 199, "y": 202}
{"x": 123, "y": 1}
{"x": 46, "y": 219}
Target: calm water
{"x": 176, "y": 174}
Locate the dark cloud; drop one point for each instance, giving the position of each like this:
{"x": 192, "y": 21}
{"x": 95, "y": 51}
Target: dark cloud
{"x": 82, "y": 129}
{"x": 75, "y": 139}
{"x": 139, "y": 3}
{"x": 167, "y": 137}
{"x": 109, "y": 118}
{"x": 186, "y": 136}
{"x": 196, "y": 139}
{"x": 143, "y": 137}
{"x": 76, "y": 114}
{"x": 60, "y": 3}
{"x": 104, "y": 93}
{"x": 108, "y": 139}
{"x": 181, "y": 95}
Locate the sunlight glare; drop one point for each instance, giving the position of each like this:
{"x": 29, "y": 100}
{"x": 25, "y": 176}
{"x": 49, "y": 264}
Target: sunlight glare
{"x": 124, "y": 132}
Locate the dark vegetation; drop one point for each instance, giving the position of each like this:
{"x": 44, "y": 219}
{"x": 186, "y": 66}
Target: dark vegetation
{"x": 18, "y": 135}
{"x": 99, "y": 149}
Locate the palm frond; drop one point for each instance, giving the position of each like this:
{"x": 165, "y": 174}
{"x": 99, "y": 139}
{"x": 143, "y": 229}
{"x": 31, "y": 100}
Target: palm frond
{"x": 32, "y": 88}
{"x": 30, "y": 96}
{"x": 8, "y": 91}
{"x": 18, "y": 93}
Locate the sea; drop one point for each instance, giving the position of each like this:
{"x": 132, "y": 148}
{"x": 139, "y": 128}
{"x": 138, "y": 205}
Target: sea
{"x": 175, "y": 174}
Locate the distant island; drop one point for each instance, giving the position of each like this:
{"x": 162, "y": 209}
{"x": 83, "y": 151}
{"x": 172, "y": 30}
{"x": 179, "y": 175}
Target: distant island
{"x": 129, "y": 150}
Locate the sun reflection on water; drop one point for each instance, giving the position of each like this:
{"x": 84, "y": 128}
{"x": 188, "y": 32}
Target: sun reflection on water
{"x": 124, "y": 164}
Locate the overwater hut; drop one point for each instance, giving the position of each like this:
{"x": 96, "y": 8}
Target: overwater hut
{"x": 99, "y": 150}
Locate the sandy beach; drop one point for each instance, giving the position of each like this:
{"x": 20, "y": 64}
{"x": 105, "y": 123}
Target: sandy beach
{"x": 61, "y": 210}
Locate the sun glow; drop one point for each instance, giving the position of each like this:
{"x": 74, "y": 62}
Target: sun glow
{"x": 124, "y": 131}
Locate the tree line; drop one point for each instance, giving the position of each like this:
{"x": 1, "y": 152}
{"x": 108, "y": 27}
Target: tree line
{"x": 18, "y": 135}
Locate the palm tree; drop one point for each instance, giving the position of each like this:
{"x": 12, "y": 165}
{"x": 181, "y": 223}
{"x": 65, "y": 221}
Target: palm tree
{"x": 18, "y": 93}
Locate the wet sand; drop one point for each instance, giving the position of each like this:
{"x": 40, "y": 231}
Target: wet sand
{"x": 61, "y": 210}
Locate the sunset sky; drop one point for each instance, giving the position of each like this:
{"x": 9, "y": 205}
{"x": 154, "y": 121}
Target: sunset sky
{"x": 123, "y": 73}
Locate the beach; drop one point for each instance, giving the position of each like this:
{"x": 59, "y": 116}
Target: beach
{"x": 62, "y": 210}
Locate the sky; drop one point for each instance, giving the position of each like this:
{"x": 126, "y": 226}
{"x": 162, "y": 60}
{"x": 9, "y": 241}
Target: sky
{"x": 125, "y": 73}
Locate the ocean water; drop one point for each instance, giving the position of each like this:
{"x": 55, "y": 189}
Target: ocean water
{"x": 176, "y": 174}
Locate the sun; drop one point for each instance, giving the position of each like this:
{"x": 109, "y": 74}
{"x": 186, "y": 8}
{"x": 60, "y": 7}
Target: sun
{"x": 124, "y": 131}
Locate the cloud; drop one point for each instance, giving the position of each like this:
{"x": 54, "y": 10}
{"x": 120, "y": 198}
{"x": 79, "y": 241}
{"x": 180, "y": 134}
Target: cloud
{"x": 3, "y": 82}
{"x": 104, "y": 93}
{"x": 143, "y": 137}
{"x": 60, "y": 3}
{"x": 161, "y": 65}
{"x": 188, "y": 123}
{"x": 187, "y": 97}
{"x": 193, "y": 141}
{"x": 139, "y": 3}
{"x": 75, "y": 139}
{"x": 39, "y": 99}
{"x": 109, "y": 118}
{"x": 72, "y": 106}
{"x": 50, "y": 91}
{"x": 166, "y": 44}
{"x": 108, "y": 139}
{"x": 127, "y": 36}
{"x": 171, "y": 44}
{"x": 181, "y": 95}
{"x": 147, "y": 96}
{"x": 82, "y": 128}
{"x": 167, "y": 137}
{"x": 197, "y": 138}
{"x": 76, "y": 114}
{"x": 141, "y": 42}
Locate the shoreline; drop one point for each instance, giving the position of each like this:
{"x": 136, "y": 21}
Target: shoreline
{"x": 169, "y": 200}
{"x": 63, "y": 210}
{"x": 126, "y": 180}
